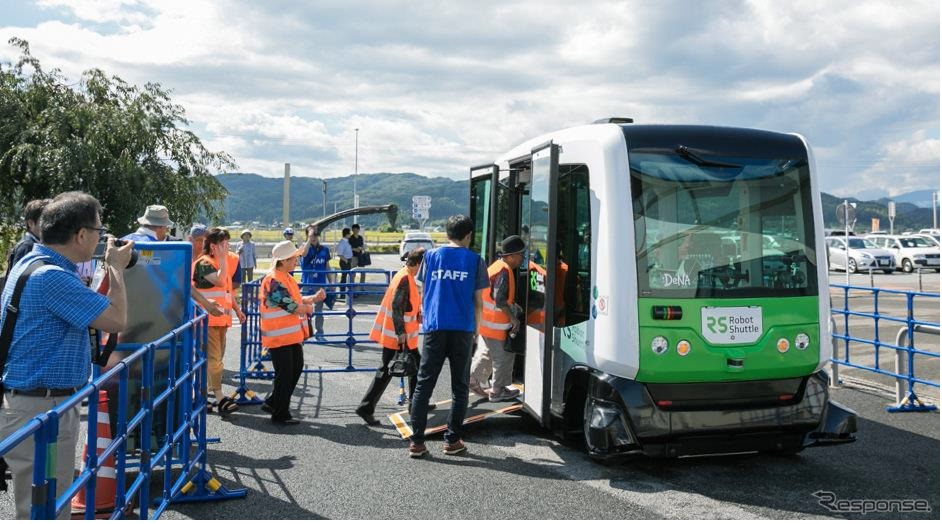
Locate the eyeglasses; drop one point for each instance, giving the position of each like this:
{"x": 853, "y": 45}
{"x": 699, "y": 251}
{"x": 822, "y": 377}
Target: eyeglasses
{"x": 102, "y": 231}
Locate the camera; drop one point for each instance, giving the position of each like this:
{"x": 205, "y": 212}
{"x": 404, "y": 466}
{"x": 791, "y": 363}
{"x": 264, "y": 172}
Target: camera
{"x": 103, "y": 244}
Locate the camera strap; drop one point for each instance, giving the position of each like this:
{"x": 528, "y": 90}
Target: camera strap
{"x": 102, "y": 354}
{"x": 13, "y": 312}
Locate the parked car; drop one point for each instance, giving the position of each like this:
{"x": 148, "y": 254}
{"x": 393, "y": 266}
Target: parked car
{"x": 932, "y": 240}
{"x": 415, "y": 239}
{"x": 910, "y": 251}
{"x": 853, "y": 254}
{"x": 934, "y": 233}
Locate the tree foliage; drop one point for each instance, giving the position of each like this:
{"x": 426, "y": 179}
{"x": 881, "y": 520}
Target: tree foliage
{"x": 127, "y": 145}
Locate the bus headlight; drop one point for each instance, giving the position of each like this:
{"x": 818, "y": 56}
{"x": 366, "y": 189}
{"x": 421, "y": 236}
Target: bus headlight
{"x": 782, "y": 345}
{"x": 659, "y": 345}
{"x": 683, "y": 347}
{"x": 802, "y": 341}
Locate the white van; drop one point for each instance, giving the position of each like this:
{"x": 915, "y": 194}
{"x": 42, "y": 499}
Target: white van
{"x": 415, "y": 239}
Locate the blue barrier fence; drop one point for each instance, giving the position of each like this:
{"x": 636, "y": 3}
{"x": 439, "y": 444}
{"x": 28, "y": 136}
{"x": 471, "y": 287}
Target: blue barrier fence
{"x": 907, "y": 399}
{"x": 357, "y": 299}
{"x": 180, "y": 452}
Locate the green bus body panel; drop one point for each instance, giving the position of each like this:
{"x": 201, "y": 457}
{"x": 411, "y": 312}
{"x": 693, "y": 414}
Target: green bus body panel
{"x": 706, "y": 362}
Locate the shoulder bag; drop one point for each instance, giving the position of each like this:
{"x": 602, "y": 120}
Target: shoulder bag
{"x": 403, "y": 365}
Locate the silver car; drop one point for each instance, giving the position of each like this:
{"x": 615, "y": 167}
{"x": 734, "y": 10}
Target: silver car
{"x": 854, "y": 254}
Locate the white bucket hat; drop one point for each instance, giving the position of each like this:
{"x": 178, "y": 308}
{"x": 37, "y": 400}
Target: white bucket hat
{"x": 155, "y": 216}
{"x": 283, "y": 250}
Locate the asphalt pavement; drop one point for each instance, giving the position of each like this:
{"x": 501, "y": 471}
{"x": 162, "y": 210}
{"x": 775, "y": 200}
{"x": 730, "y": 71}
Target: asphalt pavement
{"x": 333, "y": 466}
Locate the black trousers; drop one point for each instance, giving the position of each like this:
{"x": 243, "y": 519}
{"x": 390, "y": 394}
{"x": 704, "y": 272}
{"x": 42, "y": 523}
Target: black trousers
{"x": 344, "y": 266}
{"x": 288, "y": 362}
{"x": 456, "y": 346}
{"x": 381, "y": 380}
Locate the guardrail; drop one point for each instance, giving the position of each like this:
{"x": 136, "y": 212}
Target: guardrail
{"x": 906, "y": 398}
{"x": 184, "y": 398}
{"x": 253, "y": 356}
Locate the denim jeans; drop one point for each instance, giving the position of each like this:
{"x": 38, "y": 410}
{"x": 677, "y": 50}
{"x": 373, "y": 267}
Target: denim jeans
{"x": 456, "y": 347}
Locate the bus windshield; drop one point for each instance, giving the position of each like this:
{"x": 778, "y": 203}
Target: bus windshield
{"x": 722, "y": 226}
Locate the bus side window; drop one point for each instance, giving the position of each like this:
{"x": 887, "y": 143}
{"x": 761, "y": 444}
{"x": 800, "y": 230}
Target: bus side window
{"x": 574, "y": 242}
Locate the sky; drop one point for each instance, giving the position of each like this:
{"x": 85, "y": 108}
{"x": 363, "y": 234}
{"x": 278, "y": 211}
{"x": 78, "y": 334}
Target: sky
{"x": 437, "y": 87}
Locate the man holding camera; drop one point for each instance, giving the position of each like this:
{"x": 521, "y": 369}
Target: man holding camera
{"x": 49, "y": 357}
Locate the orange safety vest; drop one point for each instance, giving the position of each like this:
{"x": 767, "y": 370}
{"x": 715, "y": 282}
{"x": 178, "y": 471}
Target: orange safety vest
{"x": 384, "y": 330}
{"x": 494, "y": 322}
{"x": 279, "y": 327}
{"x": 221, "y": 294}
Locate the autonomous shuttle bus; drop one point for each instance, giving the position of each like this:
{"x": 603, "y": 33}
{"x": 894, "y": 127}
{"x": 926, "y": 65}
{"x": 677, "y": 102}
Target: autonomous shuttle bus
{"x": 675, "y": 287}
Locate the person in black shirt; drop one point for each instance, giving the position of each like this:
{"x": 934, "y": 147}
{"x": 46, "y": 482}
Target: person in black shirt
{"x": 31, "y": 212}
{"x": 356, "y": 244}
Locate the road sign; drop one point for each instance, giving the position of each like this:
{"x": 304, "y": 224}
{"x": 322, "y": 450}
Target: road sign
{"x": 422, "y": 199}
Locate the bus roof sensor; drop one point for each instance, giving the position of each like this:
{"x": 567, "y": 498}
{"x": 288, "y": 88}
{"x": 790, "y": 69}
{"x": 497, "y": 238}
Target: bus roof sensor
{"x": 615, "y": 120}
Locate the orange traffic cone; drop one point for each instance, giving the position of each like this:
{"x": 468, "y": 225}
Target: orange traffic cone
{"x": 105, "y": 490}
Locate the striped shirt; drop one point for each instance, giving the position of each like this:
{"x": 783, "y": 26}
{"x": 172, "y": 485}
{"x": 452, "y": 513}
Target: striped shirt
{"x": 50, "y": 347}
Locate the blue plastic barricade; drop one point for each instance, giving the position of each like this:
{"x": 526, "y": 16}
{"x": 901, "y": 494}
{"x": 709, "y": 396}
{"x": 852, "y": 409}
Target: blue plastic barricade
{"x": 183, "y": 444}
{"x": 151, "y": 397}
{"x": 359, "y": 299}
{"x": 907, "y": 400}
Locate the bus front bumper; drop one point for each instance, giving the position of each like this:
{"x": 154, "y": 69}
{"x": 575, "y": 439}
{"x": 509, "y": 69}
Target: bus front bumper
{"x": 628, "y": 417}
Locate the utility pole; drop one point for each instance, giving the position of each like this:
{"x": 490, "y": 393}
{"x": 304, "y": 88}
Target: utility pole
{"x": 356, "y": 169}
{"x": 891, "y": 213}
{"x": 285, "y": 201}
{"x": 325, "y": 197}
{"x": 935, "y": 217}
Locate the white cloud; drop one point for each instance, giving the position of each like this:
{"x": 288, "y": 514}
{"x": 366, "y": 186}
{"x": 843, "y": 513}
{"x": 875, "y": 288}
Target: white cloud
{"x": 435, "y": 89}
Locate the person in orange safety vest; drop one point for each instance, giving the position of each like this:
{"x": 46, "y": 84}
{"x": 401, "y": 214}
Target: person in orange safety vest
{"x": 212, "y": 276}
{"x": 284, "y": 317}
{"x": 499, "y": 320}
{"x": 396, "y": 328}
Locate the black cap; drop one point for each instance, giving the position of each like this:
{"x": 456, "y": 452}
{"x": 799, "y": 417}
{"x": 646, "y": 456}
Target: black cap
{"x": 512, "y": 245}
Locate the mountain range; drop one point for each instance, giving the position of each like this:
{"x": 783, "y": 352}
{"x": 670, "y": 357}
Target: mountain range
{"x": 256, "y": 198}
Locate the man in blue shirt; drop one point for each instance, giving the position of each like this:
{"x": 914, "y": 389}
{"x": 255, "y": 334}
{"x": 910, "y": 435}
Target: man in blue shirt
{"x": 315, "y": 258}
{"x": 454, "y": 279}
{"x": 49, "y": 356}
{"x": 345, "y": 252}
{"x": 155, "y": 224}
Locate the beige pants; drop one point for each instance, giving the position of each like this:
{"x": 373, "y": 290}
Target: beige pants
{"x": 215, "y": 350}
{"x": 18, "y": 410}
{"x": 492, "y": 357}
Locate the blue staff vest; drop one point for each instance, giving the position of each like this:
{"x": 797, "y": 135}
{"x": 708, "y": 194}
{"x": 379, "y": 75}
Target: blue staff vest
{"x": 315, "y": 259}
{"x": 448, "y": 291}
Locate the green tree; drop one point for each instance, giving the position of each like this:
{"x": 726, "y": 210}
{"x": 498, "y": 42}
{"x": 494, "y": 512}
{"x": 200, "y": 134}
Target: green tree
{"x": 127, "y": 145}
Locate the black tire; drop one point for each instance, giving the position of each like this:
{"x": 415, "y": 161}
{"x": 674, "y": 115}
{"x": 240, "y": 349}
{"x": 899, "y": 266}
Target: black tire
{"x": 907, "y": 265}
{"x": 888, "y": 271}
{"x": 851, "y": 265}
{"x": 603, "y": 460}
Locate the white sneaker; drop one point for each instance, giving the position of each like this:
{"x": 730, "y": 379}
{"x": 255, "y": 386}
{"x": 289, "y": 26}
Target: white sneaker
{"x": 505, "y": 394}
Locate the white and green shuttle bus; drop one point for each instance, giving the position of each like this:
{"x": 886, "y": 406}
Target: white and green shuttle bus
{"x": 675, "y": 287}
